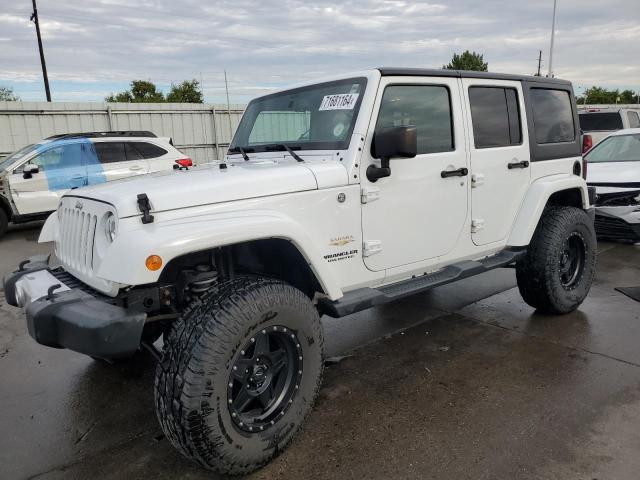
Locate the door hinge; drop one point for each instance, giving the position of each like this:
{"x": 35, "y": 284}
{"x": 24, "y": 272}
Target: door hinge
{"x": 369, "y": 194}
{"x": 371, "y": 247}
{"x": 477, "y": 179}
{"x": 477, "y": 225}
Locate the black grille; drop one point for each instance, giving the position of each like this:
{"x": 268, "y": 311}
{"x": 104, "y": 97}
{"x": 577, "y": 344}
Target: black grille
{"x": 616, "y": 229}
{"x": 73, "y": 283}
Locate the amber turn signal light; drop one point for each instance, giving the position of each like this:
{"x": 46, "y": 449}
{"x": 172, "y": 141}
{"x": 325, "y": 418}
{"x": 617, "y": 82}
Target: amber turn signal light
{"x": 153, "y": 262}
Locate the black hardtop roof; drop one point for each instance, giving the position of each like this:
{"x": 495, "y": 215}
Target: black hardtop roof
{"x": 433, "y": 72}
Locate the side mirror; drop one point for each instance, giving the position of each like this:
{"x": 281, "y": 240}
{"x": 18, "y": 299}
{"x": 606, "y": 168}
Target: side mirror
{"x": 29, "y": 169}
{"x": 389, "y": 143}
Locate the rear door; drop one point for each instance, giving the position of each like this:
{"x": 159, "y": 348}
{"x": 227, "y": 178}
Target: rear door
{"x": 61, "y": 168}
{"x": 117, "y": 160}
{"x": 157, "y": 157}
{"x": 500, "y": 157}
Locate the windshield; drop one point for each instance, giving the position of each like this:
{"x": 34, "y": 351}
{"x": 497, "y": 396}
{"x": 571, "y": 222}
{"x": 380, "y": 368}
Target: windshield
{"x": 318, "y": 117}
{"x": 593, "y": 122}
{"x": 619, "y": 148}
{"x": 14, "y": 157}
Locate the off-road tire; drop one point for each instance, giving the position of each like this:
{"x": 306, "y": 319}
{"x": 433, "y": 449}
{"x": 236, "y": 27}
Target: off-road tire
{"x": 192, "y": 378}
{"x": 4, "y": 222}
{"x": 538, "y": 272}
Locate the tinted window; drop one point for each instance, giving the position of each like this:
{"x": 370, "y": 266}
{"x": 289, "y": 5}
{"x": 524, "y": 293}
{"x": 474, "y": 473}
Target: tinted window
{"x": 634, "y": 120}
{"x": 552, "y": 116}
{"x": 426, "y": 107}
{"x": 149, "y": 150}
{"x": 63, "y": 156}
{"x": 619, "y": 148}
{"x": 495, "y": 115}
{"x": 131, "y": 152}
{"x": 590, "y": 122}
{"x": 109, "y": 152}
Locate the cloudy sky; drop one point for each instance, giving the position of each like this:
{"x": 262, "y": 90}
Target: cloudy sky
{"x": 95, "y": 47}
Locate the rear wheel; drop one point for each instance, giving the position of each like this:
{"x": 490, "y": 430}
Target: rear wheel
{"x": 239, "y": 374}
{"x": 4, "y": 222}
{"x": 556, "y": 273}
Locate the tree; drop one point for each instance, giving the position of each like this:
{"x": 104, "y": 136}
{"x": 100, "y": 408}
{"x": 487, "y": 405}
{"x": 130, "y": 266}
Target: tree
{"x": 186, "y": 92}
{"x": 467, "y": 61}
{"x": 602, "y": 96}
{"x": 141, "y": 91}
{"x": 7, "y": 95}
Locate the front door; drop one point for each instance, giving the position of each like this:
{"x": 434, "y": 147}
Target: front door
{"x": 61, "y": 168}
{"x": 500, "y": 170}
{"x": 416, "y": 214}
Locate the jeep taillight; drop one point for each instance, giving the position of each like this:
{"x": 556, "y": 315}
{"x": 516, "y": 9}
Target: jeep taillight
{"x": 587, "y": 143}
{"x": 185, "y": 162}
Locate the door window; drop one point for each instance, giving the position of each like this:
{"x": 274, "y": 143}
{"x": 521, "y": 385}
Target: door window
{"x": 110, "y": 152}
{"x": 427, "y": 107}
{"x": 132, "y": 152}
{"x": 63, "y": 156}
{"x": 149, "y": 150}
{"x": 634, "y": 120}
{"x": 496, "y": 117}
{"x": 552, "y": 116}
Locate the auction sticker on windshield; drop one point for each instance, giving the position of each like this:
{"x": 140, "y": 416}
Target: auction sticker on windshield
{"x": 344, "y": 101}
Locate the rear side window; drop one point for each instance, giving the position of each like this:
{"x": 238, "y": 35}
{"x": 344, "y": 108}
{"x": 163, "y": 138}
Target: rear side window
{"x": 110, "y": 152}
{"x": 552, "y": 116}
{"x": 634, "y": 120}
{"x": 427, "y": 107}
{"x": 496, "y": 117}
{"x": 149, "y": 150}
{"x": 593, "y": 122}
{"x": 131, "y": 152}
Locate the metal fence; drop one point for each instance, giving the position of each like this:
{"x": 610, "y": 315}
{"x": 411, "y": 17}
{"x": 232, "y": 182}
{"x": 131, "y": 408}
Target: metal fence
{"x": 201, "y": 131}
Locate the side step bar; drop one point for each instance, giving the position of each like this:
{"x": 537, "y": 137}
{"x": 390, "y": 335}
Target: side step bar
{"x": 364, "y": 298}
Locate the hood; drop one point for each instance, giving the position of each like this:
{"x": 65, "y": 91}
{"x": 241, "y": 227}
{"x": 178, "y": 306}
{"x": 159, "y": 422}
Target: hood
{"x": 614, "y": 176}
{"x": 207, "y": 184}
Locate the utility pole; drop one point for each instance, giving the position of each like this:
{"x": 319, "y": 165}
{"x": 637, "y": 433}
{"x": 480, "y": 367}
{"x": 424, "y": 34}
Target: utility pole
{"x": 553, "y": 35}
{"x": 34, "y": 19}
{"x": 539, "y": 63}
{"x": 226, "y": 87}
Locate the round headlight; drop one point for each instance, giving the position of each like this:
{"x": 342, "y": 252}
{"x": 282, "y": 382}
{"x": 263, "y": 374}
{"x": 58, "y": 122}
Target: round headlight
{"x": 110, "y": 226}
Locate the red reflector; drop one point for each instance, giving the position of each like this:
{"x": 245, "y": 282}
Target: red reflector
{"x": 185, "y": 162}
{"x": 587, "y": 143}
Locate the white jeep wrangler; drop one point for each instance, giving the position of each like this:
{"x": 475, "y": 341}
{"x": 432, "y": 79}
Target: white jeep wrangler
{"x": 334, "y": 197}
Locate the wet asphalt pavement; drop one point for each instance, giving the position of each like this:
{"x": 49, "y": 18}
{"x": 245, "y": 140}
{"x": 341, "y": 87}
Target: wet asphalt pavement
{"x": 465, "y": 381}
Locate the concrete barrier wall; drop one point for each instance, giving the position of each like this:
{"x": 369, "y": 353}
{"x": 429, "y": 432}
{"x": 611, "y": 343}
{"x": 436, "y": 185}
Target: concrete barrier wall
{"x": 201, "y": 131}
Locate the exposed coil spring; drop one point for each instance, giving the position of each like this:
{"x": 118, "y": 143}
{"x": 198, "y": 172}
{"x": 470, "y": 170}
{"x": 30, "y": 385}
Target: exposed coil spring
{"x": 202, "y": 285}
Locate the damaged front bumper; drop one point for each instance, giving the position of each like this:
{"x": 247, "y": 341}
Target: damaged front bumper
{"x": 62, "y": 317}
{"x": 618, "y": 215}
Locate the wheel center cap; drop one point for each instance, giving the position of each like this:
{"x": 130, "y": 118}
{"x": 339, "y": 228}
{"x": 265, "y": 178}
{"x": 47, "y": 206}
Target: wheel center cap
{"x": 259, "y": 375}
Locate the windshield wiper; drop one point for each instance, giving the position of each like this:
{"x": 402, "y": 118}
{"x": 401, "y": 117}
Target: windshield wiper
{"x": 242, "y": 151}
{"x": 282, "y": 146}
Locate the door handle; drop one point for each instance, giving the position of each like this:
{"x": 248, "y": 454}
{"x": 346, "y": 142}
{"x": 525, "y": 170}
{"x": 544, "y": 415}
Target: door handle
{"x": 135, "y": 167}
{"x": 461, "y": 172}
{"x": 77, "y": 177}
{"x": 522, "y": 164}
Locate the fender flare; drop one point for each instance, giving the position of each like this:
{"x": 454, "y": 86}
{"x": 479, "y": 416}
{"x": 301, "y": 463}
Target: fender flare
{"x": 175, "y": 238}
{"x": 536, "y": 200}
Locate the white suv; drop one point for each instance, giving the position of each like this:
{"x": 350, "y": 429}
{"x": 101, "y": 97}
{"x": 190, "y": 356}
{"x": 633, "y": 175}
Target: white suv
{"x": 33, "y": 179}
{"x": 335, "y": 196}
